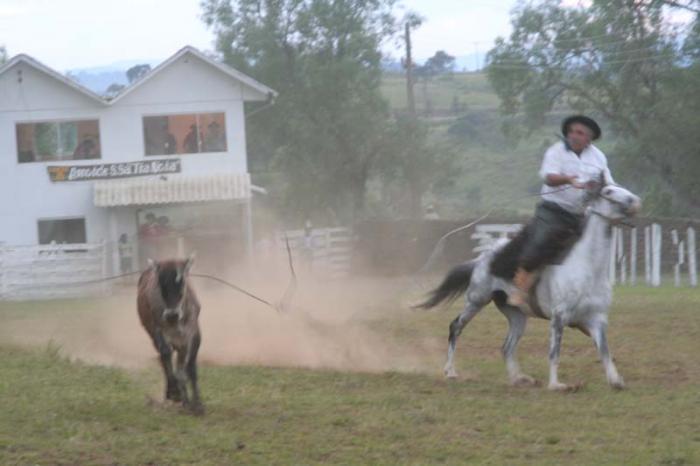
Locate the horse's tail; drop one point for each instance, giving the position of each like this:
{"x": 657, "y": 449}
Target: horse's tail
{"x": 455, "y": 283}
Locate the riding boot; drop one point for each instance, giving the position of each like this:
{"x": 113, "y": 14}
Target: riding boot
{"x": 523, "y": 281}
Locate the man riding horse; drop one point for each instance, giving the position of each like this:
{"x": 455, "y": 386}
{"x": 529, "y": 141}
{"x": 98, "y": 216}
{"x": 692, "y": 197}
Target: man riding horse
{"x": 567, "y": 170}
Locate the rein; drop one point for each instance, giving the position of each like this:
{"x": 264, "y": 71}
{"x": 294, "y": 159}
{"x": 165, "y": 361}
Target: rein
{"x": 611, "y": 221}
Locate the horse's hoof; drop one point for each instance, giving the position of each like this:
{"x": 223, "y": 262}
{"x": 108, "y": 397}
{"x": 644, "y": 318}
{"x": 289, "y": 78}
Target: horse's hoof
{"x": 524, "y": 381}
{"x": 565, "y": 388}
{"x": 618, "y": 384}
{"x": 450, "y": 373}
{"x": 197, "y": 409}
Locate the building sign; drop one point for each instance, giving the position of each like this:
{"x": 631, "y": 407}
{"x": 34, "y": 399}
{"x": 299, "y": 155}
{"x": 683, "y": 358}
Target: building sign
{"x": 114, "y": 170}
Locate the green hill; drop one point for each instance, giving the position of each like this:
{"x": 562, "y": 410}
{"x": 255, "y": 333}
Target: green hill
{"x": 494, "y": 171}
{"x": 471, "y": 91}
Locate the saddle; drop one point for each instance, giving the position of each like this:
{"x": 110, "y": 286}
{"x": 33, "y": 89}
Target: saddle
{"x": 506, "y": 261}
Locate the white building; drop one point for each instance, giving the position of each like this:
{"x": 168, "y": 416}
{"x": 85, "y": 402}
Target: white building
{"x": 79, "y": 168}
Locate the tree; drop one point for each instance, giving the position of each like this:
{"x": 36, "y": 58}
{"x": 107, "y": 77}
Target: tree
{"x": 114, "y": 89}
{"x": 3, "y": 55}
{"x": 330, "y": 123}
{"x": 417, "y": 160}
{"x": 137, "y": 72}
{"x": 440, "y": 63}
{"x": 615, "y": 58}
{"x": 689, "y": 5}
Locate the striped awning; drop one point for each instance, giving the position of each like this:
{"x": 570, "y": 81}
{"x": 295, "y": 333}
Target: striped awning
{"x": 172, "y": 189}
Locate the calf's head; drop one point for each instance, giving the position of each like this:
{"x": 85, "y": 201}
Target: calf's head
{"x": 172, "y": 284}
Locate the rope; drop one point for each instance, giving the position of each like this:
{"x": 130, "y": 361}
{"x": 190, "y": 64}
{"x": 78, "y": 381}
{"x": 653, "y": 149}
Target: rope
{"x": 439, "y": 247}
{"x": 235, "y": 287}
{"x": 292, "y": 287}
{"x": 281, "y": 307}
{"x": 86, "y": 282}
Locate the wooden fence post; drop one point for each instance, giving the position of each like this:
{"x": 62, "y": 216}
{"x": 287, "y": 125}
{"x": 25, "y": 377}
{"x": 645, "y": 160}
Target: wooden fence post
{"x": 647, "y": 255}
{"x": 106, "y": 285}
{"x": 633, "y": 257}
{"x": 621, "y": 256}
{"x": 656, "y": 236}
{"x": 692, "y": 256}
{"x": 613, "y": 257}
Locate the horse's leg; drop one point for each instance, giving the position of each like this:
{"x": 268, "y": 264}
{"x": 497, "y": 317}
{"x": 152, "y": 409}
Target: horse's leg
{"x": 599, "y": 333}
{"x": 556, "y": 329}
{"x": 516, "y": 327}
{"x": 456, "y": 327}
{"x": 191, "y": 368}
{"x": 166, "y": 362}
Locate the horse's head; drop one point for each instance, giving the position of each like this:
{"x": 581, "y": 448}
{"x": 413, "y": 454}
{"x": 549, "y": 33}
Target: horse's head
{"x": 172, "y": 282}
{"x": 613, "y": 202}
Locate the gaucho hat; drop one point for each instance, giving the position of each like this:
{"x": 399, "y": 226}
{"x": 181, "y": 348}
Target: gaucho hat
{"x": 584, "y": 120}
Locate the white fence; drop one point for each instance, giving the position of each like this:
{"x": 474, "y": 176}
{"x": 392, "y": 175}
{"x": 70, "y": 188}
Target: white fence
{"x": 486, "y": 235}
{"x": 682, "y": 262}
{"x": 626, "y": 253}
{"x": 52, "y": 271}
{"x": 326, "y": 253}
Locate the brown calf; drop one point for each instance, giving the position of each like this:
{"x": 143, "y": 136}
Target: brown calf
{"x": 168, "y": 309}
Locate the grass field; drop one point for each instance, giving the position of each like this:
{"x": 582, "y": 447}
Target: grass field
{"x": 470, "y": 89}
{"x": 55, "y": 409}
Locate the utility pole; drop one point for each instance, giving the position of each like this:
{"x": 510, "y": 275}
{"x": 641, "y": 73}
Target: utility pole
{"x": 411, "y": 100}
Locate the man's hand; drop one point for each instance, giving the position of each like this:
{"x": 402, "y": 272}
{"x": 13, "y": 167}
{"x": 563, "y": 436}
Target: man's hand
{"x": 555, "y": 180}
{"x": 576, "y": 183}
{"x": 592, "y": 185}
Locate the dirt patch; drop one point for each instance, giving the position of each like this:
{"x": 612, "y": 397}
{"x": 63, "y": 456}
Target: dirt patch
{"x": 329, "y": 326}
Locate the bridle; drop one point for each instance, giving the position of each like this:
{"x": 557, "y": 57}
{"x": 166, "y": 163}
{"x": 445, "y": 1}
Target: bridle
{"x": 612, "y": 221}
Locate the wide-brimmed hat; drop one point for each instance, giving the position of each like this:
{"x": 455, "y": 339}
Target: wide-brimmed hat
{"x": 584, "y": 120}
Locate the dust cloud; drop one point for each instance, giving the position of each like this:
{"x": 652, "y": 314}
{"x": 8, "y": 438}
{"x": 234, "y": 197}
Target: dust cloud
{"x": 344, "y": 324}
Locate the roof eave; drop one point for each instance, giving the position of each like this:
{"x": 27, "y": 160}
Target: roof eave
{"x": 264, "y": 91}
{"x": 22, "y": 58}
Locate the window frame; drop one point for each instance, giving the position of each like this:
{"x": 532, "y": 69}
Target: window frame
{"x": 196, "y": 114}
{"x": 58, "y": 219}
{"x": 58, "y": 121}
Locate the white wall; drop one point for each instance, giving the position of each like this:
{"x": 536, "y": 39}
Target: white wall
{"x": 189, "y": 85}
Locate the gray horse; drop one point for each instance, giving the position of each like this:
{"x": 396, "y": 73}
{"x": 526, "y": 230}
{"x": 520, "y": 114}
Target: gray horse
{"x": 576, "y": 293}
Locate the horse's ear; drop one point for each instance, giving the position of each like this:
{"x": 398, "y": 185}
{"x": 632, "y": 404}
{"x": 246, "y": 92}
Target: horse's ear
{"x": 602, "y": 180}
{"x": 189, "y": 262}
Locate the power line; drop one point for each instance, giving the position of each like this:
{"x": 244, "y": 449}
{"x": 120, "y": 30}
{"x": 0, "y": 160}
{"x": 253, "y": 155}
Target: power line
{"x": 554, "y": 40}
{"x": 526, "y": 63}
{"x": 602, "y": 63}
{"x": 606, "y": 44}
{"x": 619, "y": 55}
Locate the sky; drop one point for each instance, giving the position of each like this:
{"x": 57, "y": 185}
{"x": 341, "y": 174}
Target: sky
{"x": 70, "y": 34}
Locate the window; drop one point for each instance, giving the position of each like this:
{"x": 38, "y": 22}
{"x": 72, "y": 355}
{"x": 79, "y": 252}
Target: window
{"x": 62, "y": 231}
{"x": 58, "y": 140}
{"x": 184, "y": 134}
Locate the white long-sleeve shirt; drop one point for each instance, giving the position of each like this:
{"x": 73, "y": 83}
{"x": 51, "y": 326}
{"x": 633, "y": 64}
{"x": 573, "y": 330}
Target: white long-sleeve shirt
{"x": 559, "y": 160}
